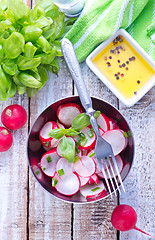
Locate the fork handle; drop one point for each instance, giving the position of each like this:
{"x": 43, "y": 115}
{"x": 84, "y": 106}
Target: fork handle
{"x": 74, "y": 67}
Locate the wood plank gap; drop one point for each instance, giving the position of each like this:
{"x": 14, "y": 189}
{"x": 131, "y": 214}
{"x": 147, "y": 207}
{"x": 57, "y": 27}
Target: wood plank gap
{"x": 73, "y": 88}
{"x": 118, "y": 203}
{"x": 72, "y": 221}
{"x": 28, "y": 185}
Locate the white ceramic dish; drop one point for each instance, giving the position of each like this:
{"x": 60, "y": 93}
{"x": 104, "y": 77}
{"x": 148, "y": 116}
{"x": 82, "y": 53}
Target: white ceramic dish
{"x": 144, "y": 89}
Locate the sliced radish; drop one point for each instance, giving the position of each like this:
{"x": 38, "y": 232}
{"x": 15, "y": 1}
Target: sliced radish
{"x": 84, "y": 180}
{"x": 92, "y": 190}
{"x": 103, "y": 122}
{"x": 101, "y": 131}
{"x": 48, "y": 162}
{"x": 44, "y": 133}
{"x": 67, "y": 112}
{"x": 58, "y": 151}
{"x": 54, "y": 142}
{"x": 84, "y": 152}
{"x": 68, "y": 184}
{"x": 64, "y": 166}
{"x": 90, "y": 142}
{"x": 119, "y": 162}
{"x": 79, "y": 154}
{"x": 60, "y": 125}
{"x": 47, "y": 148}
{"x": 92, "y": 155}
{"x": 113, "y": 124}
{"x": 36, "y": 169}
{"x": 85, "y": 167}
{"x": 94, "y": 179}
{"x": 117, "y": 140}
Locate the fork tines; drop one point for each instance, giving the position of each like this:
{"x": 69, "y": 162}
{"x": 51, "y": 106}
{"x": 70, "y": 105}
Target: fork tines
{"x": 111, "y": 175}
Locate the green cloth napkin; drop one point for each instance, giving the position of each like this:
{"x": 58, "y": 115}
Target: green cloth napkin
{"x": 101, "y": 18}
{"x": 151, "y": 31}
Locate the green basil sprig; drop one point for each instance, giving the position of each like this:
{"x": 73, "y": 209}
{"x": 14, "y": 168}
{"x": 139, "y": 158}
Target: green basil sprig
{"x": 82, "y": 120}
{"x": 60, "y": 132}
{"x": 67, "y": 149}
{"x": 30, "y": 45}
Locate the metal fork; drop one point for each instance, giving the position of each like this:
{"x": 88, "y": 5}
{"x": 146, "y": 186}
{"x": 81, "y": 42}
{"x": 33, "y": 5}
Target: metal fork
{"x": 103, "y": 149}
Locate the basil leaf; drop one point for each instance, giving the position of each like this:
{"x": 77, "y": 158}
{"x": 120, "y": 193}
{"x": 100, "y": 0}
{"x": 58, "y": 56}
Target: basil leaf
{"x": 43, "y": 75}
{"x": 81, "y": 121}
{"x": 29, "y": 79}
{"x": 13, "y": 89}
{"x": 31, "y": 91}
{"x": 14, "y": 45}
{"x": 67, "y": 149}
{"x": 57, "y": 133}
{"x": 31, "y": 33}
{"x": 57, "y": 44}
{"x": 97, "y": 114}
{"x": 37, "y": 12}
{"x": 47, "y": 58}
{"x": 53, "y": 67}
{"x": 29, "y": 50}
{"x": 43, "y": 44}
{"x": 10, "y": 66}
{"x": 5, "y": 84}
{"x": 21, "y": 90}
{"x": 25, "y": 63}
{"x": 71, "y": 132}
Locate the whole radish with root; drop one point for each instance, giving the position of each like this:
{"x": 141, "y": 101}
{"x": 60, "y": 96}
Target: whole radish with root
{"x": 124, "y": 218}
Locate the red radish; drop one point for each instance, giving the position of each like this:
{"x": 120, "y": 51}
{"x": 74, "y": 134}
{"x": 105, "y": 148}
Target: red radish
{"x": 67, "y": 112}
{"x": 84, "y": 180}
{"x": 124, "y": 218}
{"x": 93, "y": 190}
{"x": 67, "y": 184}
{"x": 64, "y": 165}
{"x": 89, "y": 142}
{"x": 117, "y": 140}
{"x": 44, "y": 133}
{"x": 94, "y": 179}
{"x": 113, "y": 124}
{"x": 6, "y": 139}
{"x": 103, "y": 122}
{"x": 14, "y": 117}
{"x": 48, "y": 162}
{"x": 85, "y": 167}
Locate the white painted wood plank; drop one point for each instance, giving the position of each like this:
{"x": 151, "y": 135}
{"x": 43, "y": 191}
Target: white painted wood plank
{"x": 49, "y": 218}
{"x": 140, "y": 184}
{"x": 13, "y": 181}
{"x": 92, "y": 221}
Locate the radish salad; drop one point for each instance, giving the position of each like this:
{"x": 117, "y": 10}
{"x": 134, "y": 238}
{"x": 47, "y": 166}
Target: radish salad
{"x": 70, "y": 158}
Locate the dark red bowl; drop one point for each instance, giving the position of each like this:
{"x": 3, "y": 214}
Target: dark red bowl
{"x": 35, "y": 149}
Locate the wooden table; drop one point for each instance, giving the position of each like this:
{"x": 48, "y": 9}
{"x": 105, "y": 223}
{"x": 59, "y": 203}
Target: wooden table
{"x": 28, "y": 212}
